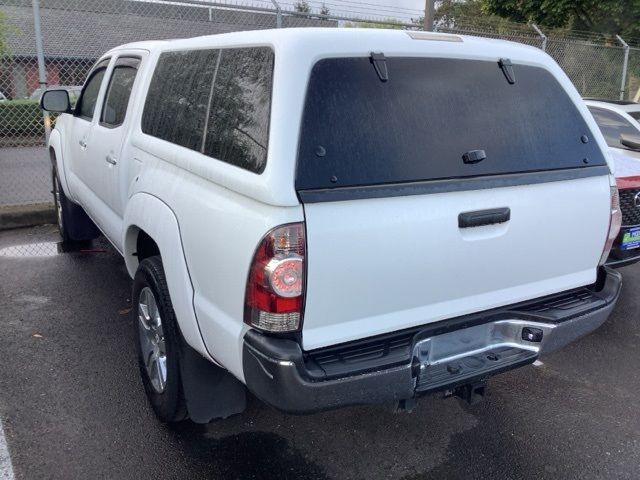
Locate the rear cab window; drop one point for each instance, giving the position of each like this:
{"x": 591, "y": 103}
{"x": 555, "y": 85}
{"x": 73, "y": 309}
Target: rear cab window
{"x": 358, "y": 130}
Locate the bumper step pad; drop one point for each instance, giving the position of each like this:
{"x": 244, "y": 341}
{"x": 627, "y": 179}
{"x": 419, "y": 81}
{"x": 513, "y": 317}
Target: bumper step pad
{"x": 463, "y": 369}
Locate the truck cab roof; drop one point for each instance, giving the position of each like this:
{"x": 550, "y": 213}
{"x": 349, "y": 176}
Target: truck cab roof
{"x": 297, "y": 50}
{"x": 349, "y": 42}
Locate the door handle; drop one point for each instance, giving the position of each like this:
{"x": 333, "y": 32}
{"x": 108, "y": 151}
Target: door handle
{"x": 83, "y": 143}
{"x": 484, "y": 217}
{"x": 111, "y": 159}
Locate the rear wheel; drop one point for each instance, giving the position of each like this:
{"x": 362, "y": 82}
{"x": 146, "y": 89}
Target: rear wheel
{"x": 158, "y": 341}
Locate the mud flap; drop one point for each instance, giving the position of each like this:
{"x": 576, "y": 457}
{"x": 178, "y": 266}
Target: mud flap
{"x": 80, "y": 227}
{"x": 210, "y": 392}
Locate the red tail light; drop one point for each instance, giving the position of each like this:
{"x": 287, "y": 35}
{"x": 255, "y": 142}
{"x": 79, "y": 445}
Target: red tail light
{"x": 615, "y": 221}
{"x": 275, "y": 288}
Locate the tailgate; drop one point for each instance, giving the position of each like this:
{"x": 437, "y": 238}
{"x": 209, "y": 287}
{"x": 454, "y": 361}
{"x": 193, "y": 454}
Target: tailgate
{"x": 384, "y": 264}
{"x": 387, "y": 165}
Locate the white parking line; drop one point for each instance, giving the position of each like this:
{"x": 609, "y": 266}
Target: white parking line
{"x": 6, "y": 470}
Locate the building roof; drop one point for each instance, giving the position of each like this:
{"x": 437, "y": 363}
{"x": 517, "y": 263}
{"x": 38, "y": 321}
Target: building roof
{"x": 88, "y": 28}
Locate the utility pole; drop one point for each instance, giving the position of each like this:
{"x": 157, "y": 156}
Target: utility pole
{"x": 42, "y": 67}
{"x": 429, "y": 14}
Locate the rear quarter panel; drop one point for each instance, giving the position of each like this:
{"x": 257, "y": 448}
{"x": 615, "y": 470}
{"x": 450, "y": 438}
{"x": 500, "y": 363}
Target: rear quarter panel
{"x": 220, "y": 230}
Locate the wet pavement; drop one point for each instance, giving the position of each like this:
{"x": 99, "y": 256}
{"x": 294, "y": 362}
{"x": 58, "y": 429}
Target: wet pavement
{"x": 72, "y": 405}
{"x": 26, "y": 175}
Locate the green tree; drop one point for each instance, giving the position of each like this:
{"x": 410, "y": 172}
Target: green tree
{"x": 302, "y": 6}
{"x": 450, "y": 13}
{"x": 324, "y": 10}
{"x": 4, "y": 46}
{"x": 391, "y": 23}
{"x": 601, "y": 16}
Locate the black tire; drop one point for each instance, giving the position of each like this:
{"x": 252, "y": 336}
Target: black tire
{"x": 169, "y": 404}
{"x": 61, "y": 204}
{"x": 73, "y": 223}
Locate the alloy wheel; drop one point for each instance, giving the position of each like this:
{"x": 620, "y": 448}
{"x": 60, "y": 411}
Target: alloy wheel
{"x": 152, "y": 342}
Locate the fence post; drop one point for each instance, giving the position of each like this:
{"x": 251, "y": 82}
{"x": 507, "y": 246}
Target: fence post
{"x": 42, "y": 69}
{"x": 625, "y": 65}
{"x": 542, "y": 36}
{"x": 278, "y": 14}
{"x": 429, "y": 13}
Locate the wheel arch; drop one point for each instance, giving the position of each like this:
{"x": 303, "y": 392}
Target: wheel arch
{"x": 56, "y": 158}
{"x": 151, "y": 227}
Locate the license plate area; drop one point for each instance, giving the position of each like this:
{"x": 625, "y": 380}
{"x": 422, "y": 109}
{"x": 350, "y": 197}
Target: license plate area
{"x": 470, "y": 367}
{"x": 476, "y": 352}
{"x": 630, "y": 238}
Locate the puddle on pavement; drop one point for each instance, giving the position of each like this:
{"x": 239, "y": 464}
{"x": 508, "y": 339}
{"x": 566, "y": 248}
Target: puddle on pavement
{"x": 47, "y": 249}
{"x": 273, "y": 457}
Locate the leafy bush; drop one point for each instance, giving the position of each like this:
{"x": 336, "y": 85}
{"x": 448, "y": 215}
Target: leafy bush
{"x": 21, "y": 118}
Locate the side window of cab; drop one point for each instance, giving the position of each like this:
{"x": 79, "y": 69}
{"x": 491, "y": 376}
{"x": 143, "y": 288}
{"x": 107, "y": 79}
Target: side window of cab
{"x": 86, "y": 105}
{"x": 119, "y": 89}
{"x": 215, "y": 101}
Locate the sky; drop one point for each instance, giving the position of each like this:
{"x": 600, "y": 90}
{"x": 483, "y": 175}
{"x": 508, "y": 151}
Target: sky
{"x": 415, "y": 4}
{"x": 399, "y": 9}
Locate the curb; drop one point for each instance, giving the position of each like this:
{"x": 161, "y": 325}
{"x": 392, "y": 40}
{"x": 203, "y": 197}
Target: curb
{"x": 26, "y": 216}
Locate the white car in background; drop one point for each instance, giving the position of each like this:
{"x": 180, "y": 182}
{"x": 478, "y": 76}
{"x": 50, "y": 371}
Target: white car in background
{"x": 621, "y": 130}
{"x": 627, "y": 106}
{"x": 619, "y": 122}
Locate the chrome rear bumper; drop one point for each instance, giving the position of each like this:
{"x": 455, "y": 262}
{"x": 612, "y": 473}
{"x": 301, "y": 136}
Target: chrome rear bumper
{"x": 439, "y": 356}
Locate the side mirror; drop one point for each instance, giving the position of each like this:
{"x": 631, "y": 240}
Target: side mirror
{"x": 55, "y": 101}
{"x": 630, "y": 141}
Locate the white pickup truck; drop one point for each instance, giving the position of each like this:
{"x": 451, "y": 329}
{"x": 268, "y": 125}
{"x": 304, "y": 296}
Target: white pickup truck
{"x": 331, "y": 217}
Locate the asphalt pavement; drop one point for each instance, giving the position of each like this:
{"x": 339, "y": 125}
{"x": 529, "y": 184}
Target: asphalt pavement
{"x": 72, "y": 405}
{"x": 25, "y": 176}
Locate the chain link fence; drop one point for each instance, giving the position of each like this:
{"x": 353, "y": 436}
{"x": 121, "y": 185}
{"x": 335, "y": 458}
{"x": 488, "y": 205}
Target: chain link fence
{"x": 596, "y": 68}
{"x": 490, "y": 29}
{"x": 74, "y": 33}
{"x": 632, "y": 85}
